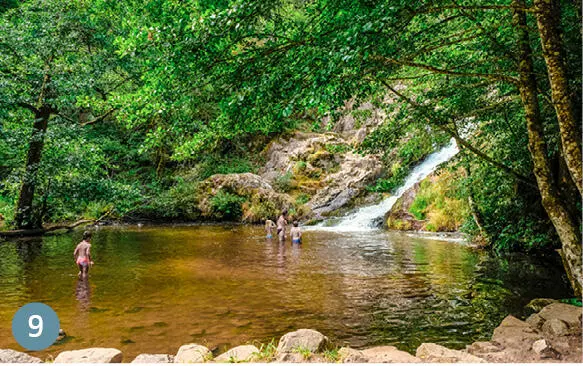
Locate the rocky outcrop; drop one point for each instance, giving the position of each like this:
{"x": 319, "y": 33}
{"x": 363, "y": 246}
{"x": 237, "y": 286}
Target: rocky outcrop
{"x": 246, "y": 353}
{"x": 322, "y": 167}
{"x": 304, "y": 339}
{"x": 153, "y": 358}
{"x": 12, "y": 356}
{"x": 252, "y": 196}
{"x": 553, "y": 334}
{"x": 90, "y": 355}
{"x": 192, "y": 353}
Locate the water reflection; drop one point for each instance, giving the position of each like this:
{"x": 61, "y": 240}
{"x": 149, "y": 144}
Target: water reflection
{"x": 83, "y": 294}
{"x": 29, "y": 249}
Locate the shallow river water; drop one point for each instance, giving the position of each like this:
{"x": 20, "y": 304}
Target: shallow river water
{"x": 155, "y": 288}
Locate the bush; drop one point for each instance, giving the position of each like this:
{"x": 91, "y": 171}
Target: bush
{"x": 283, "y": 183}
{"x": 227, "y": 205}
{"x": 302, "y": 198}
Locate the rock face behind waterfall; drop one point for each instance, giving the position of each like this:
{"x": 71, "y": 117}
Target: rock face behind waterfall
{"x": 322, "y": 168}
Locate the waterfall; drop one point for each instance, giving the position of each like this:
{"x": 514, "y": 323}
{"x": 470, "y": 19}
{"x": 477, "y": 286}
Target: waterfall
{"x": 365, "y": 217}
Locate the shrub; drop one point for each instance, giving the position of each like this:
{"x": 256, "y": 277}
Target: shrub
{"x": 302, "y": 198}
{"x": 227, "y": 205}
{"x": 283, "y": 183}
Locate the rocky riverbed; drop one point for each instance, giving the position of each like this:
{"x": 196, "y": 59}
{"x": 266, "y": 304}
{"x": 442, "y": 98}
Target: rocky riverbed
{"x": 552, "y": 334}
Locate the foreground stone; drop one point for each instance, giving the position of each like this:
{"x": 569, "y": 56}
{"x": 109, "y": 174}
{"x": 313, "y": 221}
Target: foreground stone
{"x": 12, "y": 356}
{"x": 431, "y": 352}
{"x": 388, "y": 354}
{"x": 351, "y": 355}
{"x": 246, "y": 353}
{"x": 192, "y": 353}
{"x": 153, "y": 358}
{"x": 90, "y": 355}
{"x": 307, "y": 339}
{"x": 569, "y": 314}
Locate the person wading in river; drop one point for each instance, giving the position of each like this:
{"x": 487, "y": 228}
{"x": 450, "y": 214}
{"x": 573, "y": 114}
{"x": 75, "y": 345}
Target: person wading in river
{"x": 296, "y": 234}
{"x": 281, "y": 222}
{"x": 82, "y": 255}
{"x": 269, "y": 226}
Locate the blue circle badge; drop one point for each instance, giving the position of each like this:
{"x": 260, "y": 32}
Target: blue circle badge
{"x": 35, "y": 326}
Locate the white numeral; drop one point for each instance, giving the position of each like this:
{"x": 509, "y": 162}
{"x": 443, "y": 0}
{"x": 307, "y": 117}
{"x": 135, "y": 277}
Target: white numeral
{"x": 38, "y": 326}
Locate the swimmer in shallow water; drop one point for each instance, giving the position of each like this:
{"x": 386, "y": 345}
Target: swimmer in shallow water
{"x": 269, "y": 226}
{"x": 296, "y": 234}
{"x": 281, "y": 223}
{"x": 82, "y": 255}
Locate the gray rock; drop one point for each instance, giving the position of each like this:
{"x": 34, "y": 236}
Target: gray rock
{"x": 535, "y": 321}
{"x": 555, "y": 327}
{"x": 192, "y": 353}
{"x": 12, "y": 356}
{"x": 431, "y": 352}
{"x": 246, "y": 353}
{"x": 90, "y": 355}
{"x": 569, "y": 314}
{"x": 308, "y": 339}
{"x": 153, "y": 358}
{"x": 544, "y": 350}
{"x": 388, "y": 354}
{"x": 351, "y": 355}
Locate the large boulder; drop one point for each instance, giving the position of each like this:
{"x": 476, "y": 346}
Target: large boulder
{"x": 12, "y": 356}
{"x": 555, "y": 327}
{"x": 90, "y": 355}
{"x": 306, "y": 339}
{"x": 388, "y": 354}
{"x": 431, "y": 352}
{"x": 246, "y": 353}
{"x": 192, "y": 353}
{"x": 515, "y": 333}
{"x": 153, "y": 358}
{"x": 569, "y": 314}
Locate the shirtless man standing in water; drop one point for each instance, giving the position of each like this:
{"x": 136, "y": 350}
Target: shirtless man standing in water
{"x": 281, "y": 222}
{"x": 269, "y": 226}
{"x": 82, "y": 255}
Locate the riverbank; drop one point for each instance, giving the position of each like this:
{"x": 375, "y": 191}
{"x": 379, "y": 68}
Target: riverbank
{"x": 551, "y": 335}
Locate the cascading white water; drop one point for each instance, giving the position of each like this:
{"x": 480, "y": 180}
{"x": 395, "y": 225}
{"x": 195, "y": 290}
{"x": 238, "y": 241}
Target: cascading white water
{"x": 363, "y": 219}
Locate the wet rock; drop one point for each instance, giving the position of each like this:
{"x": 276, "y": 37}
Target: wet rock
{"x": 12, "y": 356}
{"x": 536, "y": 305}
{"x": 569, "y": 314}
{"x": 388, "y": 354}
{"x": 90, "y": 355}
{"x": 246, "y": 353}
{"x": 431, "y": 352}
{"x": 192, "y": 353}
{"x": 153, "y": 358}
{"x": 62, "y": 335}
{"x": 555, "y": 327}
{"x": 535, "y": 321}
{"x": 307, "y": 339}
{"x": 351, "y": 355}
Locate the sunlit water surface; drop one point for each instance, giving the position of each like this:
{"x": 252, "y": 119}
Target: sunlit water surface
{"x": 153, "y": 289}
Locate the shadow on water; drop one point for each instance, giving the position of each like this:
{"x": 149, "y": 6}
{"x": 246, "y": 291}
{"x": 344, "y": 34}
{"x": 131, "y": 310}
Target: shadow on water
{"x": 226, "y": 286}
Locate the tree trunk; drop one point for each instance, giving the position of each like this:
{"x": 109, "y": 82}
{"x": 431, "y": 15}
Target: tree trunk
{"x": 25, "y": 217}
{"x": 548, "y": 21}
{"x": 564, "y": 224}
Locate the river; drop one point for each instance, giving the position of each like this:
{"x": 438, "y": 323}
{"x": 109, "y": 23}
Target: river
{"x": 154, "y": 288}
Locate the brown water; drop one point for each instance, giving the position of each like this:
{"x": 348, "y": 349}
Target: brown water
{"x": 153, "y": 289}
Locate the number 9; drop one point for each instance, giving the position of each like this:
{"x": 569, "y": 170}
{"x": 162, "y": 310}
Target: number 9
{"x": 38, "y": 326}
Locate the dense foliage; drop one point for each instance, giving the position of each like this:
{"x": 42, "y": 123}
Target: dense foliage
{"x": 106, "y": 107}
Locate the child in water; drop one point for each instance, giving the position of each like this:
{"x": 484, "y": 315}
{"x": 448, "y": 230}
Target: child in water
{"x": 296, "y": 233}
{"x": 269, "y": 225}
{"x": 82, "y": 255}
